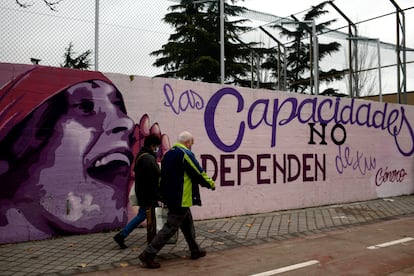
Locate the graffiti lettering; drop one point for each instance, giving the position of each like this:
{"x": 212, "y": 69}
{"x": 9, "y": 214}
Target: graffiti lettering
{"x": 384, "y": 175}
{"x": 307, "y": 167}
{"x": 345, "y": 159}
{"x": 322, "y": 134}
{"x": 209, "y": 119}
{"x": 276, "y": 113}
{"x": 187, "y": 99}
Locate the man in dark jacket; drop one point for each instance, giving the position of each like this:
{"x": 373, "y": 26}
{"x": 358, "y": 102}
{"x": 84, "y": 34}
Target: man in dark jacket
{"x": 180, "y": 176}
{"x": 147, "y": 175}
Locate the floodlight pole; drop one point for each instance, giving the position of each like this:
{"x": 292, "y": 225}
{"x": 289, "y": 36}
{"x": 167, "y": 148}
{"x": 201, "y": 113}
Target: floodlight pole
{"x": 96, "y": 34}
{"x": 315, "y": 59}
{"x": 222, "y": 72}
{"x": 379, "y": 70}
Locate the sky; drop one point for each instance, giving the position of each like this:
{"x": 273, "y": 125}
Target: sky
{"x": 130, "y": 30}
{"x": 355, "y": 10}
{"x": 383, "y": 28}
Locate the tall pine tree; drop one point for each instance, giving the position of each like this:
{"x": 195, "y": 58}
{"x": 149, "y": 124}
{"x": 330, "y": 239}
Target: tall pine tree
{"x": 299, "y": 67}
{"x": 193, "y": 51}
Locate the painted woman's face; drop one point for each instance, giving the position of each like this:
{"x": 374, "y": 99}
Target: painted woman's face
{"x": 84, "y": 169}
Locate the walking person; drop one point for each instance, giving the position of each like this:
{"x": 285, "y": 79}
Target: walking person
{"x": 181, "y": 174}
{"x": 147, "y": 175}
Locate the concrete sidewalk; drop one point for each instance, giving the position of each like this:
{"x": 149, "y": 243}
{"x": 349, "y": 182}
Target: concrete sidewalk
{"x": 98, "y": 252}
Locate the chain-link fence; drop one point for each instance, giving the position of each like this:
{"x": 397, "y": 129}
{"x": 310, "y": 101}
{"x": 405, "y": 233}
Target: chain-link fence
{"x": 376, "y": 56}
{"x": 130, "y": 30}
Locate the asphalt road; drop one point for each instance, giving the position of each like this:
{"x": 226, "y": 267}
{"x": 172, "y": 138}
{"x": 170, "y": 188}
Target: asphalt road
{"x": 384, "y": 248}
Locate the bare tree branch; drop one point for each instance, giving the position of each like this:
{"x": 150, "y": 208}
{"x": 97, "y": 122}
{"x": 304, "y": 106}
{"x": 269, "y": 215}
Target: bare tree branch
{"x": 367, "y": 80}
{"x": 51, "y": 4}
{"x": 23, "y": 5}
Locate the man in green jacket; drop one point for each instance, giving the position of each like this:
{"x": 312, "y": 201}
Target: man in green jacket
{"x": 181, "y": 174}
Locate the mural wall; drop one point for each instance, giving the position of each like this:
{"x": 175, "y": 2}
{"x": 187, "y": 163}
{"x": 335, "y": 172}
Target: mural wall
{"x": 68, "y": 138}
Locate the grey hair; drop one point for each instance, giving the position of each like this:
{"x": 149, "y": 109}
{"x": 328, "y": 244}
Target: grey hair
{"x": 184, "y": 137}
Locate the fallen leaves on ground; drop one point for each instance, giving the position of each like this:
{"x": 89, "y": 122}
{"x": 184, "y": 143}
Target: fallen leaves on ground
{"x": 123, "y": 264}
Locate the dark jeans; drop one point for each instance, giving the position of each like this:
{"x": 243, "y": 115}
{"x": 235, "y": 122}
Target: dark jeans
{"x": 177, "y": 218}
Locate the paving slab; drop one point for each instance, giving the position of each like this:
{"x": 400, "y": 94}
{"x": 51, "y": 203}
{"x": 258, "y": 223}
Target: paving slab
{"x": 78, "y": 254}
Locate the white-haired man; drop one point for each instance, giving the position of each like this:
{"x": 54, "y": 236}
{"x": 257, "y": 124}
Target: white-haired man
{"x": 181, "y": 175}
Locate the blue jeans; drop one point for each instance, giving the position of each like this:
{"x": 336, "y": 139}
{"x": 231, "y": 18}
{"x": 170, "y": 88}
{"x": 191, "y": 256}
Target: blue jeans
{"x": 137, "y": 220}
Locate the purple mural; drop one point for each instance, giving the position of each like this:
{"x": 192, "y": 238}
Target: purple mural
{"x": 67, "y": 147}
{"x": 66, "y": 154}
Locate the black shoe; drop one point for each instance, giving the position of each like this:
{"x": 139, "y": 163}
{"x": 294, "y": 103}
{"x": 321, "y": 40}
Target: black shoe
{"x": 120, "y": 240}
{"x": 150, "y": 263}
{"x": 198, "y": 254}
